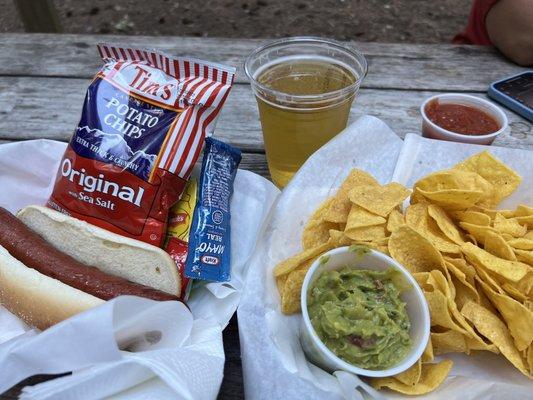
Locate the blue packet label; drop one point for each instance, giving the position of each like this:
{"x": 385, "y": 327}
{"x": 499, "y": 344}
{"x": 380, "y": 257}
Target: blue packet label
{"x": 209, "y": 240}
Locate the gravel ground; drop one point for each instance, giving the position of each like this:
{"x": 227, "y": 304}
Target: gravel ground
{"x": 418, "y": 21}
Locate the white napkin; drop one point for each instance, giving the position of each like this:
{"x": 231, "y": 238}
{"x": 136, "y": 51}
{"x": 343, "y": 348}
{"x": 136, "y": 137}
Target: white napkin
{"x": 161, "y": 338}
{"x": 187, "y": 363}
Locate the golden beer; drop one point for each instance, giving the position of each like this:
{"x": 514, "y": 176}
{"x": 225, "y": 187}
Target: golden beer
{"x": 304, "y": 100}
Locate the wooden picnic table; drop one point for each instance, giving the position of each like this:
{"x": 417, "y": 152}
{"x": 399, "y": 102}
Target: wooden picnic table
{"x": 43, "y": 79}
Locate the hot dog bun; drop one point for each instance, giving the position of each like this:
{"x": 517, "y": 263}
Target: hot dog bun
{"x": 114, "y": 254}
{"x": 39, "y": 300}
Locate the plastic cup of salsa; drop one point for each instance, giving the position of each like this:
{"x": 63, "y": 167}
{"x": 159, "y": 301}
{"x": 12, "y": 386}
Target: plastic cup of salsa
{"x": 417, "y": 310}
{"x": 462, "y": 118}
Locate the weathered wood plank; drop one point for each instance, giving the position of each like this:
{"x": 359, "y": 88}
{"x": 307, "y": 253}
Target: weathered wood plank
{"x": 50, "y": 108}
{"x": 232, "y": 387}
{"x": 391, "y": 66}
{"x": 38, "y": 16}
{"x": 255, "y": 162}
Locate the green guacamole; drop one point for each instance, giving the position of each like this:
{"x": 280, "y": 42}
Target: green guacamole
{"x": 359, "y": 316}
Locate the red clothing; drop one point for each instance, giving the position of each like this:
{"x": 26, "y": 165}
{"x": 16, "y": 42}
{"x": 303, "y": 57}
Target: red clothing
{"x": 476, "y": 31}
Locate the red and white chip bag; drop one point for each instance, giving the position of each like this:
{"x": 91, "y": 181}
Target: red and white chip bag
{"x": 142, "y": 128}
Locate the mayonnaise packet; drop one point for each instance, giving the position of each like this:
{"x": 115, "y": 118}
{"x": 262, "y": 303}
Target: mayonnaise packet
{"x": 209, "y": 242}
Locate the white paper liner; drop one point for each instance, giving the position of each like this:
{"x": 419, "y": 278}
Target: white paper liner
{"x": 273, "y": 361}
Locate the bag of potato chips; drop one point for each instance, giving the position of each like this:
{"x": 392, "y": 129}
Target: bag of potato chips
{"x": 142, "y": 128}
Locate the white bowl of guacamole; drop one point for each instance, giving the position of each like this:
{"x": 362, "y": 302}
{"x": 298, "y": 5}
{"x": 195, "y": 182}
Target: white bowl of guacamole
{"x": 363, "y": 313}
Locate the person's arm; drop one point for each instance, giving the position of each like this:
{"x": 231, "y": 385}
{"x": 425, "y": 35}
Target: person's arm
{"x": 509, "y": 24}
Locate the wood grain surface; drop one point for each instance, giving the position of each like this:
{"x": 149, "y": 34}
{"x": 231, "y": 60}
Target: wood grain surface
{"x": 391, "y": 66}
{"x": 43, "y": 107}
{"x": 43, "y": 78}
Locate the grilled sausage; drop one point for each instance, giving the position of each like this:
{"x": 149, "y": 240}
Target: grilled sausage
{"x": 32, "y": 250}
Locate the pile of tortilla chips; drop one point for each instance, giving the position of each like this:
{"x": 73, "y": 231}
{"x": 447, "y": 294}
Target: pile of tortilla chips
{"x": 473, "y": 262}
{"x": 362, "y": 212}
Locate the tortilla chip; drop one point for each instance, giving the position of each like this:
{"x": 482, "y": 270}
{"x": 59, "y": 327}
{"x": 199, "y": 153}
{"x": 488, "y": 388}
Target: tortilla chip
{"x": 427, "y": 281}
{"x": 452, "y": 199}
{"x": 523, "y": 211}
{"x": 510, "y": 270}
{"x": 490, "y": 326}
{"x": 339, "y": 208}
{"x": 338, "y": 238}
{"x": 292, "y": 263}
{"x": 477, "y": 231}
{"x": 442, "y": 281}
{"x": 410, "y": 376}
{"x": 431, "y": 377}
{"x": 484, "y": 300}
{"x": 529, "y": 359}
{"x": 428, "y": 355}
{"x": 360, "y": 218}
{"x": 471, "y": 239}
{"x": 384, "y": 241}
{"x": 476, "y": 344}
{"x": 464, "y": 290}
{"x": 514, "y": 292}
{"x": 474, "y": 181}
{"x": 455, "y": 189}
{"x": 524, "y": 256}
{"x": 496, "y": 245}
{"x": 518, "y": 318}
{"x": 525, "y": 285}
{"x": 417, "y": 216}
{"x": 451, "y": 180}
{"x": 381, "y": 249}
{"x": 368, "y": 233}
{"x": 445, "y": 223}
{"x": 414, "y": 251}
{"x": 449, "y": 342}
{"x": 464, "y": 267}
{"x": 526, "y": 221}
{"x": 395, "y": 220}
{"x": 380, "y": 200}
{"x": 380, "y": 245}
{"x": 524, "y": 215}
{"x": 318, "y": 214}
{"x": 280, "y": 283}
{"x": 440, "y": 312}
{"x": 416, "y": 198}
{"x": 472, "y": 217}
{"x": 509, "y": 226}
{"x": 494, "y": 171}
{"x": 521, "y": 243}
{"x": 304, "y": 266}
{"x": 489, "y": 280}
{"x": 446, "y": 286}
{"x": 290, "y": 302}
{"x": 316, "y": 232}
{"x": 491, "y": 213}
{"x": 422, "y": 278}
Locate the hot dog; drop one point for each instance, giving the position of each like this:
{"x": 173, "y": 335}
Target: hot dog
{"x": 37, "y": 279}
{"x": 30, "y": 248}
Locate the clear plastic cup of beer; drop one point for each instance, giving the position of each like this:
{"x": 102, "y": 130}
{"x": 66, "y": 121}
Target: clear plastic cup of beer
{"x": 304, "y": 88}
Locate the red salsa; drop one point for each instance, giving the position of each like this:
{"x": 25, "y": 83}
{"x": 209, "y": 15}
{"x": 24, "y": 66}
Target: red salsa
{"x": 461, "y": 119}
